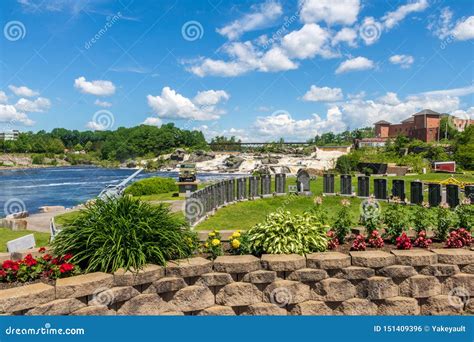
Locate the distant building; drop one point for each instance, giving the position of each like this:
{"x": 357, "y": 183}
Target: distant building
{"x": 424, "y": 125}
{"x": 370, "y": 142}
{"x": 9, "y": 135}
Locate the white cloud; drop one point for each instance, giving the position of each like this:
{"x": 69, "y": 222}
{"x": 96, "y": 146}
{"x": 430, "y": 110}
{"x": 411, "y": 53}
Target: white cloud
{"x": 307, "y": 42}
{"x": 355, "y": 64}
{"x": 330, "y": 11}
{"x": 8, "y": 113}
{"x": 98, "y": 87}
{"x": 463, "y": 91}
{"x": 323, "y": 94}
{"x": 464, "y": 29}
{"x": 405, "y": 61}
{"x": 370, "y": 30}
{"x": 173, "y": 105}
{"x": 442, "y": 26}
{"x": 96, "y": 126}
{"x": 346, "y": 35}
{"x": 23, "y": 91}
{"x": 3, "y": 97}
{"x": 103, "y": 104}
{"x": 262, "y": 16}
{"x": 39, "y": 105}
{"x": 153, "y": 121}
{"x": 389, "y": 98}
{"x": 391, "y": 19}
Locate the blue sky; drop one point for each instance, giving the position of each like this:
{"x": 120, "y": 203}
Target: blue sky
{"x": 256, "y": 70}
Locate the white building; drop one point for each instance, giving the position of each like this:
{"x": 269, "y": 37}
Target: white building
{"x": 9, "y": 135}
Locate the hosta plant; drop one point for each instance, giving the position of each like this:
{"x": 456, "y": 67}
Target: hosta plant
{"x": 285, "y": 233}
{"x": 124, "y": 233}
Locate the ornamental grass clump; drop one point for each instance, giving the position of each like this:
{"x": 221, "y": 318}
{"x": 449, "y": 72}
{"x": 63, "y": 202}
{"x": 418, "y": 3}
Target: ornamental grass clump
{"x": 124, "y": 233}
{"x": 284, "y": 233}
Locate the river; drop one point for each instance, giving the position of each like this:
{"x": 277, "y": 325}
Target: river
{"x": 29, "y": 189}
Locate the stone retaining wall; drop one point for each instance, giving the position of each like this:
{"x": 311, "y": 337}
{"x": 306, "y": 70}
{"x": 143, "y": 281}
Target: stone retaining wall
{"x": 363, "y": 283}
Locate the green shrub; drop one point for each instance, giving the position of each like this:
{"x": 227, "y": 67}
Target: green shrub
{"x": 124, "y": 232}
{"x": 447, "y": 220}
{"x": 423, "y": 218}
{"x": 396, "y": 218}
{"x": 318, "y": 211}
{"x": 37, "y": 159}
{"x": 370, "y": 215}
{"x": 465, "y": 213}
{"x": 152, "y": 186}
{"x": 342, "y": 225}
{"x": 284, "y": 233}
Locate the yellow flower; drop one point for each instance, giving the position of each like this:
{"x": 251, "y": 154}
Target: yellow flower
{"x": 206, "y": 245}
{"x": 212, "y": 234}
{"x": 215, "y": 242}
{"x": 236, "y": 235}
{"x": 235, "y": 244}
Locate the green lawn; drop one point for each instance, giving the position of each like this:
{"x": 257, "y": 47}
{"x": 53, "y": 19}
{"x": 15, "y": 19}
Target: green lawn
{"x": 244, "y": 215}
{"x": 42, "y": 239}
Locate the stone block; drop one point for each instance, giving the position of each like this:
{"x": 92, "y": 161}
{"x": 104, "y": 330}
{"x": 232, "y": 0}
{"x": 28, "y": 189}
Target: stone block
{"x": 169, "y": 284}
{"x": 455, "y": 256}
{"x": 148, "y": 274}
{"x": 114, "y": 295}
{"x": 311, "y": 308}
{"x": 283, "y": 262}
{"x": 442, "y": 305}
{"x": 420, "y": 286}
{"x": 238, "y": 294}
{"x": 25, "y": 297}
{"x": 260, "y": 277}
{"x": 381, "y": 288}
{"x": 397, "y": 271}
{"x": 58, "y": 307}
{"x": 236, "y": 264}
{"x": 355, "y": 273}
{"x": 463, "y": 282}
{"x": 468, "y": 269}
{"x": 415, "y": 257}
{"x": 191, "y": 267}
{"x": 357, "y": 307}
{"x": 217, "y": 310}
{"x": 83, "y": 285}
{"x": 440, "y": 270}
{"x": 328, "y": 260}
{"x": 284, "y": 292}
{"x": 307, "y": 275}
{"x": 372, "y": 259}
{"x": 399, "y": 306}
{"x": 335, "y": 290}
{"x": 94, "y": 310}
{"x": 264, "y": 309}
{"x": 193, "y": 298}
{"x": 145, "y": 305}
{"x": 214, "y": 279}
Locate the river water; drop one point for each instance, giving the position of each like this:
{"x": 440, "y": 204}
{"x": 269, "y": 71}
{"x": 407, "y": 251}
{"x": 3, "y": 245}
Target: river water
{"x": 29, "y": 189}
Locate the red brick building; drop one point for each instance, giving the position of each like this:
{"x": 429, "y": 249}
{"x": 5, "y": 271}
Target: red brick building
{"x": 424, "y": 125}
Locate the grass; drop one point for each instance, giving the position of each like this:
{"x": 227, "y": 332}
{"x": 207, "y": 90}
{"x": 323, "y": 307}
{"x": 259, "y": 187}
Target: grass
{"x": 42, "y": 239}
{"x": 244, "y": 215}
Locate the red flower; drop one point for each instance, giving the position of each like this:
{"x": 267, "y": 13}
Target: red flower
{"x": 66, "y": 267}
{"x": 47, "y": 257}
{"x": 29, "y": 260}
{"x": 10, "y": 265}
{"x": 67, "y": 257}
{"x": 333, "y": 241}
{"x": 55, "y": 261}
{"x": 403, "y": 242}
{"x": 3, "y": 274}
{"x": 375, "y": 240}
{"x": 42, "y": 250}
{"x": 359, "y": 243}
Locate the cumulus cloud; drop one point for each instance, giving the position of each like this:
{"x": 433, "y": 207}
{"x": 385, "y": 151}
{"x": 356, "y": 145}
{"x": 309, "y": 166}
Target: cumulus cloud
{"x": 307, "y": 42}
{"x": 3, "y": 97}
{"x": 462, "y": 91}
{"x": 172, "y": 105}
{"x": 96, "y": 126}
{"x": 152, "y": 121}
{"x": 391, "y": 19}
{"x": 8, "y": 113}
{"x": 464, "y": 29}
{"x": 443, "y": 26}
{"x": 345, "y": 35}
{"x": 355, "y": 64}
{"x": 405, "y": 61}
{"x": 38, "y": 105}
{"x": 323, "y": 94}
{"x": 332, "y": 12}
{"x": 103, "y": 104}
{"x": 23, "y": 91}
{"x": 262, "y": 16}
{"x": 98, "y": 87}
